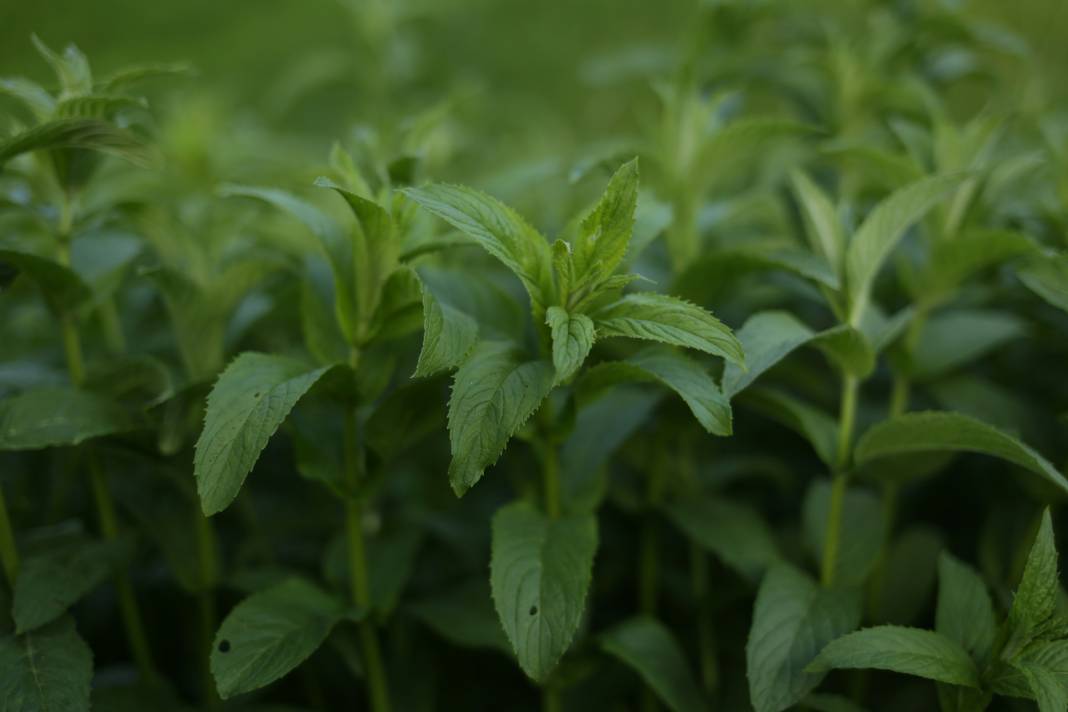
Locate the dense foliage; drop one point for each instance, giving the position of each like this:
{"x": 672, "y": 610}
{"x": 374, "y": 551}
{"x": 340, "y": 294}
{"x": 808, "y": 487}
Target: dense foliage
{"x": 751, "y": 398}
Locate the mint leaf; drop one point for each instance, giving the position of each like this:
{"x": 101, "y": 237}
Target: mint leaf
{"x": 448, "y": 336}
{"x": 911, "y": 651}
{"x": 1035, "y": 601}
{"x": 248, "y": 403}
{"x": 940, "y": 431}
{"x": 493, "y": 395}
{"x": 46, "y": 670}
{"x": 1048, "y": 278}
{"x": 54, "y": 416}
{"x": 540, "y": 572}
{"x": 965, "y": 613}
{"x": 822, "y": 225}
{"x": 818, "y": 427}
{"x": 793, "y": 618}
{"x": 955, "y": 338}
{"x": 573, "y": 336}
{"x": 658, "y": 317}
{"x": 605, "y": 233}
{"x": 497, "y": 228}
{"x": 767, "y": 338}
{"x": 1050, "y": 693}
{"x": 88, "y": 134}
{"x": 270, "y": 633}
{"x": 647, "y": 646}
{"x": 463, "y": 615}
{"x": 735, "y": 533}
{"x": 62, "y": 288}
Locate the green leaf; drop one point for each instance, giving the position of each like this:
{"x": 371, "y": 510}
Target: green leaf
{"x": 573, "y": 336}
{"x": 463, "y": 615}
{"x": 955, "y": 338}
{"x": 711, "y": 273}
{"x": 71, "y": 67}
{"x": 766, "y": 338}
{"x": 861, "y": 535}
{"x": 46, "y": 670}
{"x": 848, "y": 349}
{"x": 62, "y": 288}
{"x": 954, "y": 261}
{"x": 1048, "y": 278}
{"x": 911, "y": 651}
{"x": 493, "y": 395}
{"x": 53, "y": 580}
{"x": 658, "y": 317}
{"x": 673, "y": 370}
{"x": 793, "y": 619}
{"x": 908, "y": 576}
{"x": 605, "y": 233}
{"x": 1035, "y": 601}
{"x": 270, "y": 633}
{"x": 497, "y": 228}
{"x": 733, "y": 532}
{"x": 965, "y": 613}
{"x": 648, "y": 647}
{"x": 249, "y": 402}
{"x": 88, "y": 134}
{"x": 54, "y": 416}
{"x": 448, "y": 337}
{"x": 1049, "y": 691}
{"x": 813, "y": 424}
{"x": 822, "y": 224}
{"x": 883, "y": 229}
{"x": 540, "y": 572}
{"x": 31, "y": 94}
{"x": 940, "y": 431}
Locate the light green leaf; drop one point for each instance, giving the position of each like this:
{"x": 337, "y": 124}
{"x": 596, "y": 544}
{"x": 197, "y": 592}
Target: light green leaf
{"x": 941, "y": 431}
{"x": 270, "y": 633}
{"x": 540, "y": 572}
{"x": 52, "y": 581}
{"x": 497, "y": 228}
{"x": 1050, "y": 693}
{"x": 54, "y": 416}
{"x": 955, "y": 338}
{"x": 822, "y": 225}
{"x": 31, "y": 94}
{"x": 862, "y": 530}
{"x": 911, "y": 651}
{"x": 793, "y": 619}
{"x": 88, "y": 134}
{"x": 247, "y": 405}
{"x": 46, "y": 670}
{"x": 448, "y": 336}
{"x": 883, "y": 229}
{"x": 648, "y": 647}
{"x": 605, "y": 233}
{"x": 733, "y": 532}
{"x": 965, "y": 613}
{"x": 1035, "y": 601}
{"x": 573, "y": 336}
{"x": 658, "y": 317}
{"x": 71, "y": 67}
{"x": 848, "y": 349}
{"x": 954, "y": 261}
{"x": 493, "y": 395}
{"x": 1048, "y": 278}
{"x": 672, "y": 370}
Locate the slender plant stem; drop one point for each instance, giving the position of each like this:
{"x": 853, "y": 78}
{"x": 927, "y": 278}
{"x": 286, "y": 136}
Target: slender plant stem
{"x": 846, "y": 419}
{"x": 207, "y": 556}
{"x": 9, "y": 555}
{"x": 899, "y": 395}
{"x": 128, "y": 608}
{"x": 109, "y": 317}
{"x": 72, "y": 348}
{"x": 377, "y": 685}
{"x": 550, "y": 699}
{"x": 551, "y": 476}
{"x": 706, "y": 642}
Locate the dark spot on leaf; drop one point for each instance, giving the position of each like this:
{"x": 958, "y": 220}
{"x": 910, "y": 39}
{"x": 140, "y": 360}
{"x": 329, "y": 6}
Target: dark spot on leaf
{"x": 256, "y": 394}
{"x": 533, "y": 610}
{"x": 224, "y": 646}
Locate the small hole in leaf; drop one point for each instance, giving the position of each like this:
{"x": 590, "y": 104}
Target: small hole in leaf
{"x": 256, "y": 394}
{"x": 224, "y": 646}
{"x": 533, "y": 610}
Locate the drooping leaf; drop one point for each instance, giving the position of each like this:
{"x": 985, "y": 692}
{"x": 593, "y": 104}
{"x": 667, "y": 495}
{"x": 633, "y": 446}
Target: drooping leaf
{"x": 88, "y": 134}
{"x": 270, "y": 633}
{"x": 911, "y": 651}
{"x": 493, "y": 395}
{"x": 658, "y": 317}
{"x": 733, "y": 532}
{"x": 51, "y": 581}
{"x": 573, "y": 336}
{"x": 647, "y": 646}
{"x": 497, "y": 228}
{"x": 55, "y": 416}
{"x": 46, "y": 670}
{"x": 965, "y": 613}
{"x": 941, "y": 431}
{"x": 248, "y": 403}
{"x": 883, "y": 229}
{"x": 672, "y": 370}
{"x": 540, "y": 572}
{"x": 793, "y": 619}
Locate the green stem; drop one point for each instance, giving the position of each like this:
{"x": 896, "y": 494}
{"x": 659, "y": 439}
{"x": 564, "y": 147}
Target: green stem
{"x": 899, "y": 395}
{"x": 846, "y": 419}
{"x": 551, "y": 476}
{"x": 207, "y": 555}
{"x": 72, "y": 348}
{"x": 9, "y": 555}
{"x": 550, "y": 699}
{"x": 109, "y": 317}
{"x": 128, "y": 608}
{"x": 706, "y": 642}
{"x": 377, "y": 686}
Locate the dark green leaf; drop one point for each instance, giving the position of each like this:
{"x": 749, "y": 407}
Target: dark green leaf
{"x": 648, "y": 647}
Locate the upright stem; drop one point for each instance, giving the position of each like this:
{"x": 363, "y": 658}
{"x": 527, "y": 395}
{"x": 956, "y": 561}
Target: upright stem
{"x": 377, "y": 686}
{"x": 9, "y": 555}
{"x": 706, "y": 643}
{"x": 846, "y": 418}
{"x": 207, "y": 556}
{"x": 128, "y": 608}
{"x": 551, "y": 477}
